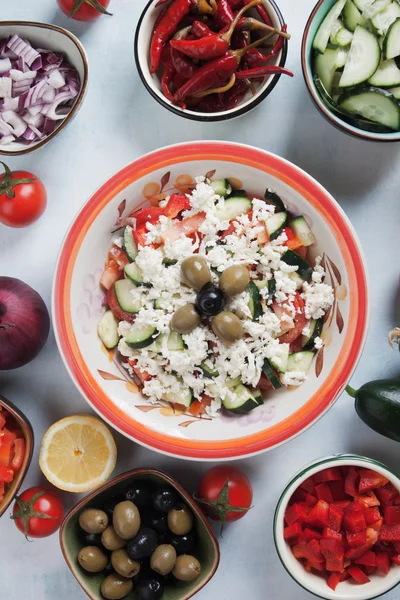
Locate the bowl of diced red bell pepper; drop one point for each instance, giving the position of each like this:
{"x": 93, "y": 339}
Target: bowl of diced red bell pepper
{"x": 16, "y": 448}
{"x": 337, "y": 528}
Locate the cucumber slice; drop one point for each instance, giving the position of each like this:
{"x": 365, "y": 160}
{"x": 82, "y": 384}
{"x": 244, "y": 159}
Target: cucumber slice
{"x": 221, "y": 187}
{"x": 325, "y": 66}
{"x": 384, "y": 18}
{"x": 387, "y": 75}
{"x": 336, "y": 27}
{"x": 297, "y": 279}
{"x": 302, "y": 230}
{"x": 270, "y": 284}
{"x": 184, "y": 397}
{"x": 162, "y": 302}
{"x": 342, "y": 37}
{"x": 315, "y": 331}
{"x": 395, "y": 92}
{"x": 374, "y": 8}
{"x": 362, "y": 4}
{"x": 169, "y": 262}
{"x": 174, "y": 343}
{"x": 238, "y": 193}
{"x": 300, "y": 361}
{"x": 273, "y": 198}
{"x": 123, "y": 291}
{"x": 108, "y": 330}
{"x": 374, "y": 104}
{"x": 229, "y": 383}
{"x": 141, "y": 336}
{"x": 255, "y": 306}
{"x": 342, "y": 57}
{"x": 129, "y": 243}
{"x": 280, "y": 360}
{"x": 135, "y": 274}
{"x": 295, "y": 260}
{"x": 233, "y": 207}
{"x": 363, "y": 59}
{"x": 241, "y": 402}
{"x": 257, "y": 395}
{"x": 270, "y": 373}
{"x": 321, "y": 39}
{"x": 391, "y": 43}
{"x": 208, "y": 372}
{"x": 275, "y": 224}
{"x": 352, "y": 16}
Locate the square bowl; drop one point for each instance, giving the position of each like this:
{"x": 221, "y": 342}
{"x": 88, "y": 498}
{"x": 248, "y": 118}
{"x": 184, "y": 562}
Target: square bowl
{"x": 207, "y": 550}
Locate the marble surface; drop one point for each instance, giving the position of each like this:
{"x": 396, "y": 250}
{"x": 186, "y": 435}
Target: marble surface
{"x": 119, "y": 122}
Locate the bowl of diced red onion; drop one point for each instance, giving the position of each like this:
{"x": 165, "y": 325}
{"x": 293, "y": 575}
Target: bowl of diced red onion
{"x": 43, "y": 80}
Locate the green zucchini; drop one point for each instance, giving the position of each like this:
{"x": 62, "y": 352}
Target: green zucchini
{"x": 377, "y": 403}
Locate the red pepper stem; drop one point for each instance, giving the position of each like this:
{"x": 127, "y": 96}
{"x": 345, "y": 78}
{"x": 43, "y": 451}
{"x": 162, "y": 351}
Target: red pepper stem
{"x": 250, "y": 24}
{"x": 263, "y": 72}
{"x": 242, "y": 51}
{"x": 228, "y": 34}
{"x": 205, "y": 7}
{"x": 182, "y": 34}
{"x": 219, "y": 90}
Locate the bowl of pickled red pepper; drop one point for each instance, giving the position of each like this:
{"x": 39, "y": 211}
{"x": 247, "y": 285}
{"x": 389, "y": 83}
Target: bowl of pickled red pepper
{"x": 337, "y": 528}
{"x": 211, "y": 60}
{"x": 16, "y": 448}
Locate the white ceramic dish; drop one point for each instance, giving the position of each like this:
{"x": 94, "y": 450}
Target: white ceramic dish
{"x": 45, "y": 35}
{"x": 379, "y": 584}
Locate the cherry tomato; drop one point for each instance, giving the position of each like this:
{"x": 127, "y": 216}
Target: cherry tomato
{"x": 225, "y": 493}
{"x": 23, "y": 198}
{"x": 83, "y": 10}
{"x": 38, "y": 512}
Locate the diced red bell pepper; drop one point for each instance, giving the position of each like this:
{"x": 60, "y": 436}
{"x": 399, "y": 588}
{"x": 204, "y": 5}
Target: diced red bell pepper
{"x": 383, "y": 562}
{"x": 324, "y": 492}
{"x": 334, "y": 580}
{"x": 337, "y": 490}
{"x": 332, "y": 474}
{"x": 358, "y": 575}
{"x": 396, "y": 500}
{"x": 335, "y": 517}
{"x": 377, "y": 525}
{"x": 368, "y": 499}
{"x": 18, "y": 453}
{"x": 396, "y": 546}
{"x": 294, "y": 513}
{"x": 298, "y": 496}
{"x": 387, "y": 494}
{"x": 310, "y": 534}
{"x": 354, "y": 522}
{"x": 369, "y": 570}
{"x": 2, "y": 419}
{"x": 333, "y": 552}
{"x": 309, "y": 486}
{"x": 292, "y": 532}
{"x": 396, "y": 558}
{"x": 351, "y": 482}
{"x": 342, "y": 504}
{"x": 390, "y": 533}
{"x": 318, "y": 516}
{"x": 356, "y": 540}
{"x": 372, "y": 515}
{"x": 331, "y": 534}
{"x": 311, "y": 500}
{"x": 315, "y": 550}
{"x": 344, "y": 576}
{"x": 5, "y": 453}
{"x": 310, "y": 551}
{"x": 392, "y": 515}
{"x": 368, "y": 559}
{"x": 372, "y": 538}
{"x": 6, "y": 474}
{"x": 186, "y": 227}
{"x": 176, "y": 204}
{"x": 289, "y": 233}
{"x": 370, "y": 480}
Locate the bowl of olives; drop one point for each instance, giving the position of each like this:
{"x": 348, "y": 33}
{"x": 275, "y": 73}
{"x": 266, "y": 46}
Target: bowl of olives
{"x": 142, "y": 537}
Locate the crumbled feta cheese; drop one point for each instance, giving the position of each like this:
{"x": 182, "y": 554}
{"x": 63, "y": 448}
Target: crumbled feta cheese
{"x": 294, "y": 378}
{"x": 118, "y": 241}
{"x": 318, "y": 298}
{"x": 318, "y": 343}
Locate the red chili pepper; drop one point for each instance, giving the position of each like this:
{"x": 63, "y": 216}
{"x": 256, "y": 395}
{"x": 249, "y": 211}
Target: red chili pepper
{"x": 235, "y": 95}
{"x": 182, "y": 64}
{"x": 277, "y": 47}
{"x": 235, "y": 4}
{"x": 161, "y": 2}
{"x": 166, "y": 79}
{"x": 200, "y": 29}
{"x": 240, "y": 39}
{"x": 262, "y": 72}
{"x": 178, "y": 80}
{"x": 224, "y": 15}
{"x": 254, "y": 58}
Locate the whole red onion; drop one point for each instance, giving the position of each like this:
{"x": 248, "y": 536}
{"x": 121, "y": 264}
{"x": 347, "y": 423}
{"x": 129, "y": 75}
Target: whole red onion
{"x": 24, "y": 323}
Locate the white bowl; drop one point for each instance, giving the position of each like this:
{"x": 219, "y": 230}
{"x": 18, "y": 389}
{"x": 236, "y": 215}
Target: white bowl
{"x": 45, "y": 35}
{"x": 379, "y": 584}
{"x": 152, "y": 83}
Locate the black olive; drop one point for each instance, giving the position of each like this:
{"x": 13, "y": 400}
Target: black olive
{"x": 143, "y": 544}
{"x": 151, "y": 589}
{"x": 183, "y": 544}
{"x": 158, "y": 522}
{"x": 139, "y": 493}
{"x": 210, "y": 300}
{"x": 164, "y": 499}
{"x": 91, "y": 539}
{"x": 110, "y": 504}
{"x": 109, "y": 569}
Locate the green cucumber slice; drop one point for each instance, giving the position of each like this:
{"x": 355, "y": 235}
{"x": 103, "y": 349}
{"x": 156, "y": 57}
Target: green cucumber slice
{"x": 384, "y": 18}
{"x": 280, "y": 360}
{"x": 300, "y": 361}
{"x": 321, "y": 39}
{"x": 108, "y": 330}
{"x": 135, "y": 274}
{"x": 373, "y": 104}
{"x": 325, "y": 66}
{"x": 351, "y": 16}
{"x": 141, "y": 336}
{"x": 387, "y": 74}
{"x": 184, "y": 397}
{"x": 273, "y": 198}
{"x": 271, "y": 375}
{"x": 275, "y": 224}
{"x": 241, "y": 401}
{"x": 342, "y": 57}
{"x": 315, "y": 328}
{"x": 255, "y": 305}
{"x": 391, "y": 43}
{"x": 233, "y": 207}
{"x": 169, "y": 262}
{"x": 221, "y": 187}
{"x": 362, "y": 4}
{"x": 208, "y": 372}
{"x": 374, "y": 8}
{"x": 129, "y": 243}
{"x": 395, "y": 92}
{"x": 295, "y": 260}
{"x": 363, "y": 59}
{"x": 297, "y": 279}
{"x": 342, "y": 37}
{"x": 302, "y": 230}
{"x": 123, "y": 291}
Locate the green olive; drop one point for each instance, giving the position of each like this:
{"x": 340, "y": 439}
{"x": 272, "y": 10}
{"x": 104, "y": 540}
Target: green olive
{"x": 110, "y": 539}
{"x": 115, "y": 587}
{"x": 186, "y": 568}
{"x": 180, "y": 519}
{"x": 163, "y": 559}
{"x": 234, "y": 280}
{"x": 126, "y": 520}
{"x": 124, "y": 564}
{"x": 92, "y": 559}
{"x": 227, "y": 327}
{"x": 195, "y": 272}
{"x": 93, "y": 520}
{"x": 185, "y": 319}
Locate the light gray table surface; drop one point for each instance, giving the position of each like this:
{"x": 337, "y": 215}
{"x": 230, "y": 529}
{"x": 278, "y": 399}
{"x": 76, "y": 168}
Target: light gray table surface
{"x": 119, "y": 122}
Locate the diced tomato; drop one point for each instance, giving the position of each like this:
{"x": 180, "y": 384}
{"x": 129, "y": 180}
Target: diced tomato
{"x": 335, "y": 517}
{"x": 143, "y": 376}
{"x": 198, "y": 407}
{"x": 18, "y": 454}
{"x": 324, "y": 492}
{"x": 356, "y": 540}
{"x": 390, "y": 533}
{"x": 264, "y": 383}
{"x": 337, "y": 490}
{"x": 7, "y": 436}
{"x": 372, "y": 515}
{"x": 147, "y": 215}
{"x": 334, "y": 580}
{"x": 354, "y": 522}
{"x": 299, "y": 321}
{"x": 185, "y": 227}
{"x": 370, "y": 480}
{"x": 310, "y": 534}
{"x": 289, "y": 233}
{"x": 302, "y": 252}
{"x": 118, "y": 255}
{"x": 176, "y": 204}
{"x": 263, "y": 237}
{"x": 292, "y": 532}
{"x": 294, "y": 244}
{"x": 368, "y": 559}
{"x": 294, "y": 513}
{"x": 333, "y": 552}
{"x": 308, "y": 485}
{"x": 5, "y": 453}
{"x": 332, "y": 474}
{"x": 395, "y": 558}
{"x": 351, "y": 482}
{"x": 113, "y": 304}
{"x": 331, "y": 534}
{"x": 318, "y": 516}
{"x": 383, "y": 562}
{"x": 2, "y": 419}
{"x": 110, "y": 275}
{"x": 368, "y": 499}
{"x": 358, "y": 575}
{"x": 6, "y": 474}
{"x": 387, "y": 494}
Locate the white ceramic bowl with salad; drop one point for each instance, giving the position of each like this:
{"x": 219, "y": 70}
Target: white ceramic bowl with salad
{"x": 43, "y": 79}
{"x": 351, "y": 65}
{"x": 210, "y": 301}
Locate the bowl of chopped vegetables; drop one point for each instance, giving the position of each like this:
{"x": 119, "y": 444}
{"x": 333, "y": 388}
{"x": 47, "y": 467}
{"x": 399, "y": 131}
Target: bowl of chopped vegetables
{"x": 43, "y": 80}
{"x": 351, "y": 60}
{"x": 16, "y": 448}
{"x": 211, "y": 61}
{"x": 337, "y": 528}
{"x": 210, "y": 301}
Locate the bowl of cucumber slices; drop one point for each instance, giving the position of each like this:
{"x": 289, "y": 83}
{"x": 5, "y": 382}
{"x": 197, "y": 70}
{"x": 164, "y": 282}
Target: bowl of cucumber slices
{"x": 351, "y": 65}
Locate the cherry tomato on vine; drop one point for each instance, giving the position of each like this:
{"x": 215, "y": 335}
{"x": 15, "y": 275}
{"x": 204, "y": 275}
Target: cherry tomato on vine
{"x": 23, "y": 198}
{"x": 84, "y": 10}
{"x": 38, "y": 512}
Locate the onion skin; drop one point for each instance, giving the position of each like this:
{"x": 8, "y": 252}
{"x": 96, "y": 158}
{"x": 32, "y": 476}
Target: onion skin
{"x": 24, "y": 323}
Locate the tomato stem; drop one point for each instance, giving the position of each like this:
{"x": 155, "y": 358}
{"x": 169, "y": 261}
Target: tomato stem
{"x": 93, "y": 3}
{"x": 7, "y": 184}
{"x": 220, "y": 506}
{"x": 27, "y": 512}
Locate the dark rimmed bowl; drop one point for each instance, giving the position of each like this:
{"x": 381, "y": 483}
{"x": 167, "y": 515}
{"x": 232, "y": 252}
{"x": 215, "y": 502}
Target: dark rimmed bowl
{"x": 29, "y": 443}
{"x": 152, "y": 82}
{"x": 207, "y": 550}
{"x": 46, "y": 35}
{"x": 318, "y": 14}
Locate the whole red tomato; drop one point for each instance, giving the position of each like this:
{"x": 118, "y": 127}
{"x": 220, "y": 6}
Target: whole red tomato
{"x": 23, "y": 198}
{"x": 84, "y": 10}
{"x": 38, "y": 512}
{"x": 225, "y": 493}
